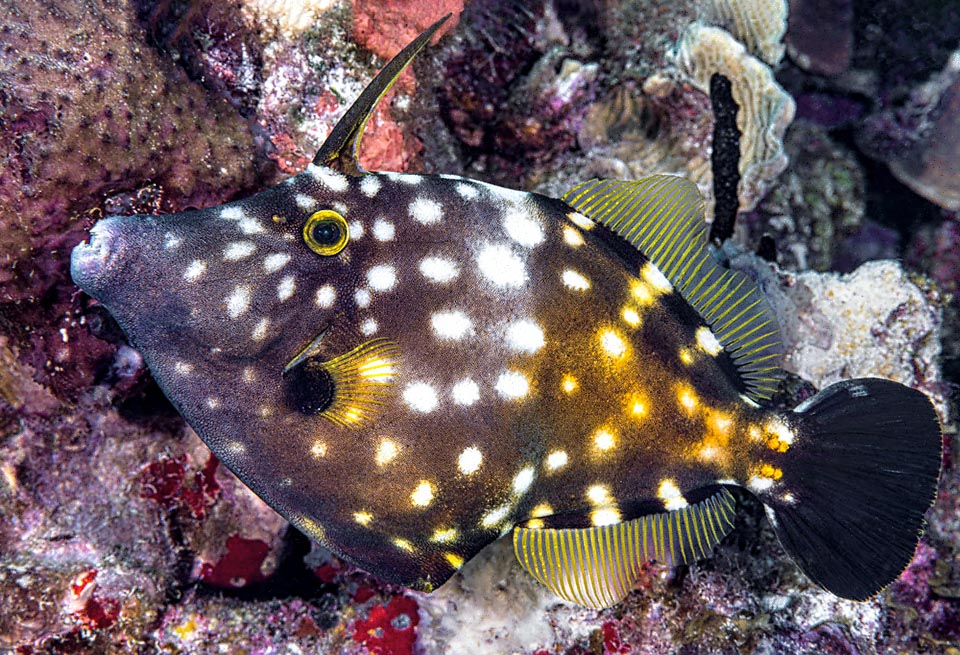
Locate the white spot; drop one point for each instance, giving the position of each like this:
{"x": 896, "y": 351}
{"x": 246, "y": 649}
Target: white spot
{"x": 233, "y": 213}
{"x": 465, "y": 392}
{"x": 523, "y": 480}
{"x": 512, "y": 384}
{"x": 325, "y": 296}
{"x": 467, "y": 191}
{"x": 183, "y": 368}
{"x": 470, "y": 460}
{"x": 655, "y": 278}
{"x": 523, "y": 229}
{"x": 328, "y": 177}
{"x": 575, "y": 281}
{"x": 238, "y": 250}
{"x": 438, "y": 269}
{"x": 383, "y": 230}
{"x": 238, "y": 301}
{"x": 603, "y": 439}
{"x": 631, "y": 317}
{"x": 249, "y": 374}
{"x": 423, "y": 494}
{"x": 260, "y": 331}
{"x": 387, "y": 451}
{"x": 412, "y": 180}
{"x": 369, "y": 327}
{"x": 605, "y": 516}
{"x": 382, "y": 277}
{"x": 501, "y": 266}
{"x": 525, "y": 336}
{"x": 669, "y": 493}
{"x": 444, "y": 536}
{"x": 572, "y": 238}
{"x": 557, "y": 460}
{"x": 580, "y": 221}
{"x": 171, "y": 241}
{"x": 612, "y": 343}
{"x": 370, "y": 186}
{"x": 196, "y": 268}
{"x": 250, "y": 225}
{"x": 356, "y": 229}
{"x": 421, "y": 397}
{"x": 599, "y": 495}
{"x": 274, "y": 262}
{"x": 450, "y": 325}
{"x": 708, "y": 341}
{"x": 305, "y": 202}
{"x": 778, "y": 428}
{"x": 495, "y": 516}
{"x": 760, "y": 483}
{"x": 426, "y": 211}
{"x": 363, "y": 518}
{"x": 362, "y": 298}
{"x": 286, "y": 288}
{"x": 213, "y": 403}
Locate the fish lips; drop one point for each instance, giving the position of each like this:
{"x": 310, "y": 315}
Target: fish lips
{"x": 97, "y": 264}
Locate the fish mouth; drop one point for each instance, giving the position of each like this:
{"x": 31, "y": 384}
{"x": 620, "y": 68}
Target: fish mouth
{"x": 94, "y": 262}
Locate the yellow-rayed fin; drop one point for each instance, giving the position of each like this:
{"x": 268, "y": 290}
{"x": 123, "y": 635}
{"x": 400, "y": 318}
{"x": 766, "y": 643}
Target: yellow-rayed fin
{"x": 340, "y": 150}
{"x": 662, "y": 216}
{"x": 361, "y": 381}
{"x": 597, "y": 567}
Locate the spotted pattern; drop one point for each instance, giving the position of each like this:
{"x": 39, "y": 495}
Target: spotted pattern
{"x": 506, "y": 309}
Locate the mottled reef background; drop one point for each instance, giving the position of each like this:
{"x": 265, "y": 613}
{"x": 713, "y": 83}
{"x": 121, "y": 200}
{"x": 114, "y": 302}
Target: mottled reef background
{"x": 119, "y": 533}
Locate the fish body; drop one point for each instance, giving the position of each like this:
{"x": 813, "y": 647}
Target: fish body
{"x": 409, "y": 366}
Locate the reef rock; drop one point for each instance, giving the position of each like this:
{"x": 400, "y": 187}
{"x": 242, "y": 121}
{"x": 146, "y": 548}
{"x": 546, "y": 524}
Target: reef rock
{"x": 664, "y": 122}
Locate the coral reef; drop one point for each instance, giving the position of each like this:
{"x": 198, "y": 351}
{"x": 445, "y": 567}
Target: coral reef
{"x": 88, "y": 110}
{"x": 121, "y": 534}
{"x": 928, "y": 159}
{"x": 817, "y": 202}
{"x": 657, "y": 117}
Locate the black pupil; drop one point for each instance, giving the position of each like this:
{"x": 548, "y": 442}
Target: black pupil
{"x": 326, "y": 233}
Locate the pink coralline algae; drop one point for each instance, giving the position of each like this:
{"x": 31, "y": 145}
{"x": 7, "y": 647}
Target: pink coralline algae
{"x": 239, "y": 566}
{"x": 386, "y": 26}
{"x": 164, "y": 481}
{"x": 389, "y": 629}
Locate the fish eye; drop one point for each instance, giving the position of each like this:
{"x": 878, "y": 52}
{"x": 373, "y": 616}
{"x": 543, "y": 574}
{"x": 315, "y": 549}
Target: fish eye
{"x": 326, "y": 232}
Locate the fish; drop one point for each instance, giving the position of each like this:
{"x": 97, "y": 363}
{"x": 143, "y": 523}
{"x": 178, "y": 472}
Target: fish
{"x": 410, "y": 367}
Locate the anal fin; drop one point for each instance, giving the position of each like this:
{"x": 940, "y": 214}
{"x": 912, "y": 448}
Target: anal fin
{"x": 598, "y": 566}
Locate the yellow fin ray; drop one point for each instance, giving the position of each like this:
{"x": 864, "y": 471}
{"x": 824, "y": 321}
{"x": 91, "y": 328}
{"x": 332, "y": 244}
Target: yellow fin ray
{"x": 597, "y": 567}
{"x": 662, "y": 216}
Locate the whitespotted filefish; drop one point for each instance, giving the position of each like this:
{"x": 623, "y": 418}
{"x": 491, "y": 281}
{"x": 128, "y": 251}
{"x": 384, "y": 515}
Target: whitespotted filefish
{"x": 408, "y": 367}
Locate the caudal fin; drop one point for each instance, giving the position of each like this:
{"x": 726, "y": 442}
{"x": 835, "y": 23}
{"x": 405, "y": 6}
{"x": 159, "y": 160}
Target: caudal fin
{"x": 860, "y": 474}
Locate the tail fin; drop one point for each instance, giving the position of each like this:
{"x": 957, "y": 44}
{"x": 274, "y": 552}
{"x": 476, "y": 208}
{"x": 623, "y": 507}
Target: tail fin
{"x": 861, "y": 473}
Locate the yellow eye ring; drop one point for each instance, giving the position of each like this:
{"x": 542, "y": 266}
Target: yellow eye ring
{"x": 326, "y": 232}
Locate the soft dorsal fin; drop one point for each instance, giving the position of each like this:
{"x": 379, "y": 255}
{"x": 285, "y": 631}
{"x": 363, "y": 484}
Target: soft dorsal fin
{"x": 598, "y": 566}
{"x": 662, "y": 216}
{"x": 340, "y": 150}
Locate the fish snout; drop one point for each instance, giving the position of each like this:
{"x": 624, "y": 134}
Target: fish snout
{"x": 97, "y": 261}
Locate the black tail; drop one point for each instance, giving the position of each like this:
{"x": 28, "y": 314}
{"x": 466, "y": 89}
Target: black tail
{"x": 857, "y": 480}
